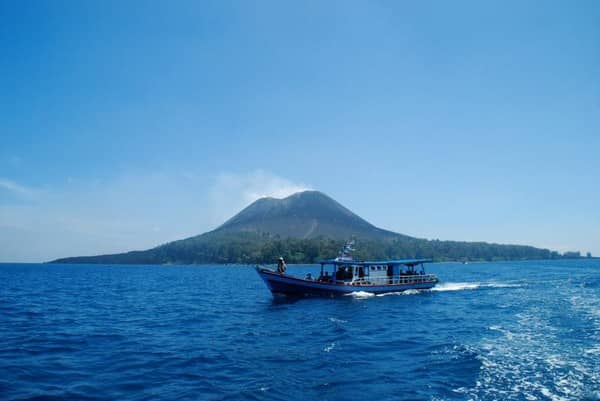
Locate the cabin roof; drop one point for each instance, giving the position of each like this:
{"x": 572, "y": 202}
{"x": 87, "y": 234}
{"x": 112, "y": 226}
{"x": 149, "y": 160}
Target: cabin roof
{"x": 405, "y": 262}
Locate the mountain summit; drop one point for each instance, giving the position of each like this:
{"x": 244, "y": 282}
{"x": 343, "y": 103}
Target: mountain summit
{"x": 308, "y": 214}
{"x": 305, "y": 227}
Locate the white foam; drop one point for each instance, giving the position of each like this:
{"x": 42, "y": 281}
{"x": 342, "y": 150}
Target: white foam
{"x": 472, "y": 286}
{"x": 361, "y": 294}
{"x": 528, "y": 361}
{"x": 411, "y": 292}
{"x": 329, "y": 347}
{"x": 502, "y": 285}
{"x": 456, "y": 286}
{"x": 459, "y": 286}
{"x": 547, "y": 393}
{"x": 405, "y": 292}
{"x": 509, "y": 335}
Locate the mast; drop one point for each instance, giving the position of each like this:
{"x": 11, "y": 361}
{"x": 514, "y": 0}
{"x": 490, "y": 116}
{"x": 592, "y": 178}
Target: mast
{"x": 346, "y": 252}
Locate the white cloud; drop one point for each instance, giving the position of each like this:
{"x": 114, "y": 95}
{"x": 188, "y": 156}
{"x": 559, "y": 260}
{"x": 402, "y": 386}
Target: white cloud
{"x": 133, "y": 211}
{"x": 17, "y": 189}
{"x": 232, "y": 192}
{"x": 144, "y": 209}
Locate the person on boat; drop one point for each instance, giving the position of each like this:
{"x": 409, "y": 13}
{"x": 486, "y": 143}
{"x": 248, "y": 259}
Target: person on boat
{"x": 281, "y": 266}
{"x": 324, "y": 277}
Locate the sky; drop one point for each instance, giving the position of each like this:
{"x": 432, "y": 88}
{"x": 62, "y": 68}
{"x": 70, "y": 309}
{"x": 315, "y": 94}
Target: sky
{"x": 125, "y": 125}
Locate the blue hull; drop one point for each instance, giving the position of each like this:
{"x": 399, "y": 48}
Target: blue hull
{"x": 283, "y": 284}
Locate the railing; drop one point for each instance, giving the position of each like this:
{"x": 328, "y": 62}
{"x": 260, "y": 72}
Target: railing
{"x": 413, "y": 279}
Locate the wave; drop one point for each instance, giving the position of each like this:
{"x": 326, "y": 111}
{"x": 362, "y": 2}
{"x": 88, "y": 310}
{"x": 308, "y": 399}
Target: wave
{"x": 471, "y": 286}
{"x": 366, "y": 294}
{"x": 592, "y": 396}
{"x": 405, "y": 292}
{"x": 515, "y": 355}
{"x": 361, "y": 294}
{"x": 456, "y": 286}
{"x": 502, "y": 285}
{"x": 330, "y": 347}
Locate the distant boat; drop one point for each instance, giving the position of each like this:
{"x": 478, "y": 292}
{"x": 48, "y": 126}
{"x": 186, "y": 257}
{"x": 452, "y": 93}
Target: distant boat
{"x": 344, "y": 275}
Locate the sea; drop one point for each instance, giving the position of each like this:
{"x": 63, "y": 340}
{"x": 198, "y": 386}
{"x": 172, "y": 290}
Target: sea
{"x": 488, "y": 331}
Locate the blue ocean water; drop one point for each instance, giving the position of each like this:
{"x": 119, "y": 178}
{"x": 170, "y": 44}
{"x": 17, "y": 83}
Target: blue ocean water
{"x": 489, "y": 331}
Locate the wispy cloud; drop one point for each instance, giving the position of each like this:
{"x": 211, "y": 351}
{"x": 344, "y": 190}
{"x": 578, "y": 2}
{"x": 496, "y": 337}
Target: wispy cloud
{"x": 231, "y": 192}
{"x": 17, "y": 189}
{"x": 133, "y": 211}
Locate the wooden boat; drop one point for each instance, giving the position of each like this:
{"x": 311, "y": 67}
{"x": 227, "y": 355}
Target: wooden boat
{"x": 344, "y": 275}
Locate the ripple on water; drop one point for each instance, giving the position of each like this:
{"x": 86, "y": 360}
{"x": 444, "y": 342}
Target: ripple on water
{"x": 530, "y": 359}
{"x": 518, "y": 331}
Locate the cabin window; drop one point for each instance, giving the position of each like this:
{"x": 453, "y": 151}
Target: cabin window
{"x": 344, "y": 273}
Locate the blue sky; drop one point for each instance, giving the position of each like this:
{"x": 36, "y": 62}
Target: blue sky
{"x": 129, "y": 124}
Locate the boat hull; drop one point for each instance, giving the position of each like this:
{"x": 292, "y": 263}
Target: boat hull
{"x": 283, "y": 284}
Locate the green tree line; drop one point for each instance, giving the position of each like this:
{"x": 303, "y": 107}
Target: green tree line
{"x": 262, "y": 248}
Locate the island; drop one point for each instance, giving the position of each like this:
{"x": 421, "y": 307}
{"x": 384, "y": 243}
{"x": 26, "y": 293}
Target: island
{"x": 303, "y": 228}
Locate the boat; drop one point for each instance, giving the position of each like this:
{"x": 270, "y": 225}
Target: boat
{"x": 345, "y": 275}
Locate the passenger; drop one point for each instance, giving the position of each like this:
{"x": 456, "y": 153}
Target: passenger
{"x": 281, "y": 266}
{"x": 308, "y": 276}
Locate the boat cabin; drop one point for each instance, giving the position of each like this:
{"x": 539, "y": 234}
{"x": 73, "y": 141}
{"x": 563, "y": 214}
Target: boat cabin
{"x": 348, "y": 271}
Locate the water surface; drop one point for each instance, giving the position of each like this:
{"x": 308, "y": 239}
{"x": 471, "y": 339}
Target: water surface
{"x": 489, "y": 331}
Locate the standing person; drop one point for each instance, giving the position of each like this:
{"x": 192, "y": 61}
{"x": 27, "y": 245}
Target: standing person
{"x": 281, "y": 266}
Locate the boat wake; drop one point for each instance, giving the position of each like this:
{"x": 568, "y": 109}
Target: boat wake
{"x": 406, "y": 292}
{"x": 439, "y": 288}
{"x": 361, "y": 294}
{"x": 471, "y": 286}
{"x": 514, "y": 355}
{"x": 455, "y": 286}
{"x": 366, "y": 294}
